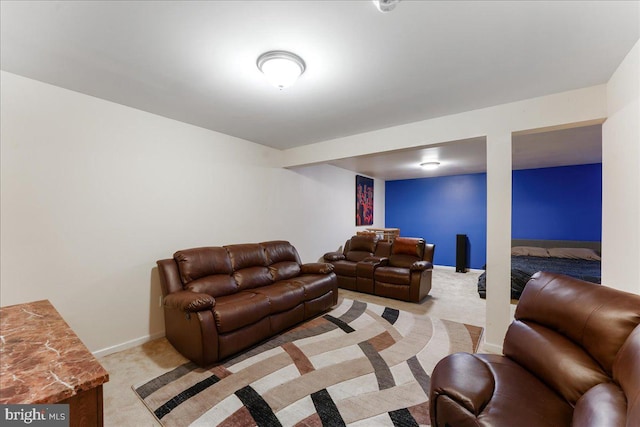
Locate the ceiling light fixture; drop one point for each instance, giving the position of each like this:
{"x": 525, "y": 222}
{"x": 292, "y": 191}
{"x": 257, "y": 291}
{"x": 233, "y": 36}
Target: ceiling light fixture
{"x": 281, "y": 68}
{"x": 386, "y": 5}
{"x": 430, "y": 165}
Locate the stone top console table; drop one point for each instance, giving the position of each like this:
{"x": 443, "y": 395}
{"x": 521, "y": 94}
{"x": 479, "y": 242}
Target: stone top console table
{"x": 43, "y": 361}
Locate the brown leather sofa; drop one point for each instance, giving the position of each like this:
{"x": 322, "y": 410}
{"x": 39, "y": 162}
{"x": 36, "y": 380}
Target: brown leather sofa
{"x": 571, "y": 357}
{"x": 400, "y": 270}
{"x": 220, "y": 300}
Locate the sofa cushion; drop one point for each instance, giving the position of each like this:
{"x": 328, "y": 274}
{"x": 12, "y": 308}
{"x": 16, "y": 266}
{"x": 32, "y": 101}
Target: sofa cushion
{"x": 200, "y": 262}
{"x": 408, "y": 246}
{"x": 216, "y": 285}
{"x": 252, "y": 277}
{"x": 282, "y": 296}
{"x": 361, "y": 247}
{"x": 402, "y": 260}
{"x": 284, "y": 270}
{"x": 235, "y": 311}
{"x": 592, "y": 316}
{"x": 280, "y": 250}
{"x": 363, "y": 243}
{"x": 565, "y": 366}
{"x": 247, "y": 255}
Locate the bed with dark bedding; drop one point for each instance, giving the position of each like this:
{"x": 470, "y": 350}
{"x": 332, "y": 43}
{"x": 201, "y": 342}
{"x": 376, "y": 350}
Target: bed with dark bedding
{"x": 573, "y": 258}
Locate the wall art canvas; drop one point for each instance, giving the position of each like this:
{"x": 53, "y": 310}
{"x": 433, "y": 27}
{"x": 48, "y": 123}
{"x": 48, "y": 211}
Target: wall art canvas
{"x": 364, "y": 200}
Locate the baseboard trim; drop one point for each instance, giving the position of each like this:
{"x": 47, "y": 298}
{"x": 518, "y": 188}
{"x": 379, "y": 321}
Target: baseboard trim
{"x": 127, "y": 345}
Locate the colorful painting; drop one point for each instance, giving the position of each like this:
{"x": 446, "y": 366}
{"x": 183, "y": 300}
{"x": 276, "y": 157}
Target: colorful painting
{"x": 364, "y": 200}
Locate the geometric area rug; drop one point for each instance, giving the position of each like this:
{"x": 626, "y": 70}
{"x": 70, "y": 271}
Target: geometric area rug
{"x": 361, "y": 364}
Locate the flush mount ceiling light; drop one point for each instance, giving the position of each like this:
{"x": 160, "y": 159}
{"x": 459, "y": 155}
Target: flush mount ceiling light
{"x": 281, "y": 68}
{"x": 386, "y": 5}
{"x": 430, "y": 165}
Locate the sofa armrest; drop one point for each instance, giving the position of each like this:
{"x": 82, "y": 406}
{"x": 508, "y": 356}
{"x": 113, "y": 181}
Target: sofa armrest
{"x": 365, "y": 271}
{"x": 334, "y": 256}
{"x": 421, "y": 266}
{"x": 463, "y": 378}
{"x": 188, "y": 301}
{"x": 316, "y": 268}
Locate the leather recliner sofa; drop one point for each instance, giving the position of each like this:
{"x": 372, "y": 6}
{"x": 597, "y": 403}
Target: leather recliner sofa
{"x": 571, "y": 357}
{"x": 400, "y": 270}
{"x": 220, "y": 300}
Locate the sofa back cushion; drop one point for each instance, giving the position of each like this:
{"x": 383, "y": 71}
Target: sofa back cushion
{"x": 579, "y": 324}
{"x": 196, "y": 263}
{"x": 405, "y": 251}
{"x": 361, "y": 247}
{"x": 283, "y": 259}
{"x": 250, "y": 267}
{"x": 408, "y": 246}
{"x": 216, "y": 285}
{"x": 206, "y": 270}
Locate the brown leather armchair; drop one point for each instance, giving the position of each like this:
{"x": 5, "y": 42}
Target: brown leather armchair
{"x": 406, "y": 273}
{"x": 571, "y": 357}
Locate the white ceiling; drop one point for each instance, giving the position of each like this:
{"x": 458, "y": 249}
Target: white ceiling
{"x": 366, "y": 70}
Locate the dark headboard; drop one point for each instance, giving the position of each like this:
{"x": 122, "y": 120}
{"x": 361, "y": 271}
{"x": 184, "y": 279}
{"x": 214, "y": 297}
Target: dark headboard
{"x": 597, "y": 246}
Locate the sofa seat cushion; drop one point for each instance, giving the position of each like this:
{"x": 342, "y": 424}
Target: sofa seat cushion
{"x": 282, "y": 296}
{"x": 344, "y": 268}
{"x": 494, "y": 390}
{"x": 402, "y": 261}
{"x": 394, "y": 275}
{"x": 315, "y": 285}
{"x": 235, "y": 311}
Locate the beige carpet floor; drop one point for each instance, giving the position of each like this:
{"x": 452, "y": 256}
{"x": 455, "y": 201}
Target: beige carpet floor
{"x": 453, "y": 297}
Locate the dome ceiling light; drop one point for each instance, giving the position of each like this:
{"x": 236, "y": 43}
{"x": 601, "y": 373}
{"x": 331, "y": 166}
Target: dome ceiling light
{"x": 386, "y": 5}
{"x": 281, "y": 68}
{"x": 430, "y": 165}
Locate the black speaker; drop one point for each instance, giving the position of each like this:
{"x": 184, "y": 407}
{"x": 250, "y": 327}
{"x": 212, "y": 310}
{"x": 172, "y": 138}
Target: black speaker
{"x": 461, "y": 253}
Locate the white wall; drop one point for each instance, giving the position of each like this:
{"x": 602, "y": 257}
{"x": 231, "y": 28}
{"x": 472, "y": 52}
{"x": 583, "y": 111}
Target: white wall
{"x": 93, "y": 193}
{"x": 621, "y": 177}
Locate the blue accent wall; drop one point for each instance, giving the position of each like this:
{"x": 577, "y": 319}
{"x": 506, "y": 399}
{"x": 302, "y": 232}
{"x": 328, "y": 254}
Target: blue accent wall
{"x": 562, "y": 203}
{"x": 437, "y": 209}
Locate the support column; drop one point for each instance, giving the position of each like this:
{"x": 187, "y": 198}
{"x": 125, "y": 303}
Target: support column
{"x": 498, "y": 239}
